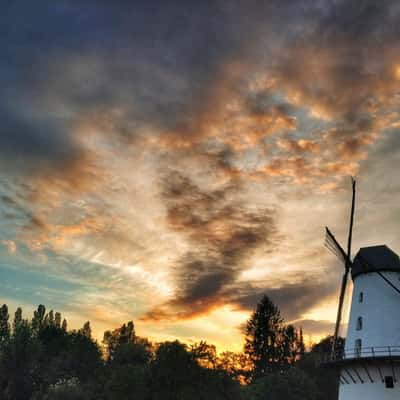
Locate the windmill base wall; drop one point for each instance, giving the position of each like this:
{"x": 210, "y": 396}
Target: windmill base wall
{"x": 366, "y": 382}
{"x": 368, "y": 391}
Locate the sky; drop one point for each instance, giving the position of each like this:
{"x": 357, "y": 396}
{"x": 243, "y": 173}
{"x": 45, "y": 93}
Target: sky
{"x": 171, "y": 162}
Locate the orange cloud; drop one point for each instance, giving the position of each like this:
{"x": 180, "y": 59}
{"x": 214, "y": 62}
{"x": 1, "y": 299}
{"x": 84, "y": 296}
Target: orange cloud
{"x": 299, "y": 146}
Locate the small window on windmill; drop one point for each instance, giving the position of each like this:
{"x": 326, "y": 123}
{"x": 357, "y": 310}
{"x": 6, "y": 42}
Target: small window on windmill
{"x": 357, "y": 349}
{"x": 389, "y": 382}
{"x": 360, "y": 297}
{"x": 359, "y": 323}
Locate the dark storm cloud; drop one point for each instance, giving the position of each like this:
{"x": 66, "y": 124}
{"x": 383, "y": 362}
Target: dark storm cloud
{"x": 158, "y": 60}
{"x": 223, "y": 234}
{"x": 293, "y": 299}
{"x": 168, "y": 65}
{"x": 38, "y": 139}
{"x": 358, "y": 18}
{"x": 166, "y": 62}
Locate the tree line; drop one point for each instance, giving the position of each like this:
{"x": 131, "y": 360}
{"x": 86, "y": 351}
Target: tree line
{"x": 41, "y": 359}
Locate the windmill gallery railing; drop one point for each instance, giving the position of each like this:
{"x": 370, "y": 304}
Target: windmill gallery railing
{"x": 374, "y": 352}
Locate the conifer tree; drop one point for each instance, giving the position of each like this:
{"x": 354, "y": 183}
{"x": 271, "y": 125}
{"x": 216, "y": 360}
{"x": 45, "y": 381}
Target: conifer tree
{"x": 64, "y": 325}
{"x": 264, "y": 337}
{"x": 17, "y": 319}
{"x": 57, "y": 319}
{"x": 51, "y": 318}
{"x": 4, "y": 324}
{"x": 38, "y": 318}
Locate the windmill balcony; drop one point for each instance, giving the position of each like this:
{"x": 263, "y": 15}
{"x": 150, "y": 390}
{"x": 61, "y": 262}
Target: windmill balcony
{"x": 364, "y": 353}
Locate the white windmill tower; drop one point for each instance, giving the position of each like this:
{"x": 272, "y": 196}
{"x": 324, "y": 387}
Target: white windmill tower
{"x": 369, "y": 365}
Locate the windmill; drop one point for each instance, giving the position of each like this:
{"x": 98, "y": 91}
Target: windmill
{"x": 333, "y": 245}
{"x": 368, "y": 366}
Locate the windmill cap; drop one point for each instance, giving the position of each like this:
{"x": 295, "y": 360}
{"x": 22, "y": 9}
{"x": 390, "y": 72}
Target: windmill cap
{"x": 373, "y": 259}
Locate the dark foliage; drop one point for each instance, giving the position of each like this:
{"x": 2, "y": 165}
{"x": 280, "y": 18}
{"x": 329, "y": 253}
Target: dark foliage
{"x": 291, "y": 384}
{"x": 41, "y": 360}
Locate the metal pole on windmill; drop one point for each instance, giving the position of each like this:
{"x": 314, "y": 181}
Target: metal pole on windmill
{"x": 347, "y": 266}
{"x": 353, "y": 183}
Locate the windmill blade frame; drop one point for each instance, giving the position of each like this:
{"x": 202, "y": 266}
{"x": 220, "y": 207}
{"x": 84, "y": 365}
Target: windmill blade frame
{"x": 333, "y": 245}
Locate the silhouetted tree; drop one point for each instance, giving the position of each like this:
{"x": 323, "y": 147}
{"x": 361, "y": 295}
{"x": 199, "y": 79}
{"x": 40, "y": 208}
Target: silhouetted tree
{"x": 17, "y": 319}
{"x": 123, "y": 335}
{"x": 173, "y": 373}
{"x": 177, "y": 374}
{"x": 57, "y": 320}
{"x": 270, "y": 344}
{"x": 263, "y": 337}
{"x": 67, "y": 355}
{"x": 128, "y": 372}
{"x": 4, "y": 324}
{"x": 38, "y": 318}
{"x": 64, "y": 325}
{"x": 292, "y": 345}
{"x": 84, "y": 357}
{"x": 51, "y": 318}
{"x": 86, "y": 329}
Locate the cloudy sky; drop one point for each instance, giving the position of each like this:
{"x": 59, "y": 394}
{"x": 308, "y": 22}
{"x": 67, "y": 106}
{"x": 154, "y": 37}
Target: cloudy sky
{"x": 170, "y": 162}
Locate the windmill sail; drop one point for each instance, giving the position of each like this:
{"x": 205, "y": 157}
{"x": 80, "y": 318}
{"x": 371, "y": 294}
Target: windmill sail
{"x": 333, "y": 245}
